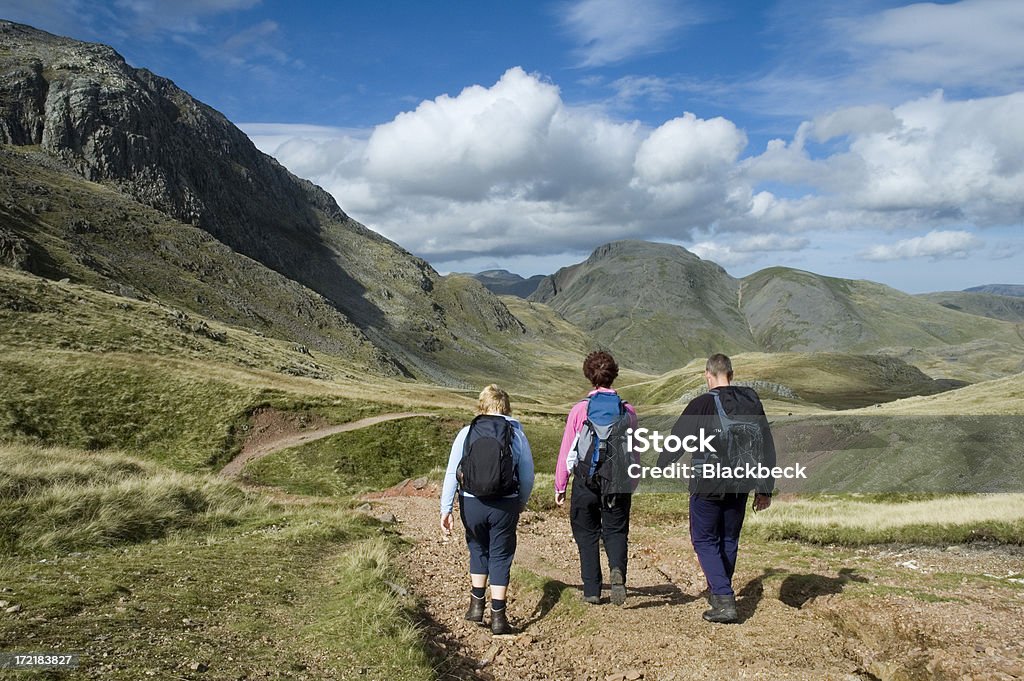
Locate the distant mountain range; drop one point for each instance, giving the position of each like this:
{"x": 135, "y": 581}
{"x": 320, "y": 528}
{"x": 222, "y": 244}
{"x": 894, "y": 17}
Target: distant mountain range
{"x": 659, "y": 305}
{"x": 1016, "y": 290}
{"x": 506, "y": 283}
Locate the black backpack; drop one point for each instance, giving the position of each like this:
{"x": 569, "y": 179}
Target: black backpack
{"x": 487, "y": 468}
{"x": 743, "y": 427}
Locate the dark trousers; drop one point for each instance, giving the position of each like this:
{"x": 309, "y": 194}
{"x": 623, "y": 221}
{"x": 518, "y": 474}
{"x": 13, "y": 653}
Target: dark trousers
{"x": 592, "y": 519}
{"x": 490, "y": 535}
{"x": 715, "y": 524}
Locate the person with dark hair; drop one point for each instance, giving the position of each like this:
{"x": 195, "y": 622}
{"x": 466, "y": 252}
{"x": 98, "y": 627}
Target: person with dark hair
{"x": 598, "y": 510}
{"x": 717, "y": 507}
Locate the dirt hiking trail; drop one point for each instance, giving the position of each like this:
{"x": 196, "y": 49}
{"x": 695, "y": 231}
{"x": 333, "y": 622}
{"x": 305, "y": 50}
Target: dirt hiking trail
{"x": 272, "y": 431}
{"x": 807, "y": 612}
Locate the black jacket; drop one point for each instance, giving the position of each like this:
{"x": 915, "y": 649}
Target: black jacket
{"x": 702, "y": 413}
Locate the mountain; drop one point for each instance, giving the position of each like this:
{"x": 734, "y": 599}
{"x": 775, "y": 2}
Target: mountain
{"x": 116, "y": 177}
{"x": 1007, "y": 308}
{"x": 792, "y": 309}
{"x": 505, "y": 283}
{"x": 999, "y": 289}
{"x": 658, "y": 306}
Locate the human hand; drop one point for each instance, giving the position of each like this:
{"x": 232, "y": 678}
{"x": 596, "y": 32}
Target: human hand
{"x": 559, "y": 498}
{"x": 762, "y": 501}
{"x": 446, "y": 523}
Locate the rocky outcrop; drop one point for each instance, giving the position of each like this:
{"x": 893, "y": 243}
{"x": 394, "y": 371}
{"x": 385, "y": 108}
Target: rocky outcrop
{"x": 83, "y": 106}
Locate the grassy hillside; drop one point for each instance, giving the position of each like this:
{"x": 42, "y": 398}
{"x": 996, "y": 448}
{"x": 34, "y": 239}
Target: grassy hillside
{"x": 1002, "y": 396}
{"x": 658, "y": 307}
{"x": 795, "y": 310}
{"x": 854, "y": 521}
{"x": 151, "y": 573}
{"x": 92, "y": 234}
{"x": 91, "y": 370}
{"x": 998, "y": 289}
{"x": 1007, "y": 308}
{"x": 385, "y": 454}
{"x": 830, "y": 380}
{"x": 905, "y": 454}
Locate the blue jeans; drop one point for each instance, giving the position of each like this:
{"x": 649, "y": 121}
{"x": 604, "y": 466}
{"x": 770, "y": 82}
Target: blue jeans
{"x": 490, "y": 535}
{"x": 715, "y": 524}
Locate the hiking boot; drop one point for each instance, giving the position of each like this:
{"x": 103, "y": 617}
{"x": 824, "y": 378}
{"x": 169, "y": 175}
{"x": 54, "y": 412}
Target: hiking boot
{"x": 723, "y": 609}
{"x": 476, "y": 609}
{"x": 618, "y": 587}
{"x": 592, "y": 600}
{"x": 499, "y": 623}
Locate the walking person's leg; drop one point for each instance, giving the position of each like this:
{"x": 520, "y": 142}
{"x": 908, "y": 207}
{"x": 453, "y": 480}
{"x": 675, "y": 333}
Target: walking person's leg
{"x": 615, "y": 533}
{"x": 585, "y": 520}
{"x": 734, "y": 509}
{"x": 706, "y": 528}
{"x": 504, "y": 518}
{"x": 474, "y": 520}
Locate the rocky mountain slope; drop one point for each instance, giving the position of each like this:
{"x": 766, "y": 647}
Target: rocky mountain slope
{"x": 658, "y": 306}
{"x": 115, "y": 174}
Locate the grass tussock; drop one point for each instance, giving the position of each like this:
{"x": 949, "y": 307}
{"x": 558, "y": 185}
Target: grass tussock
{"x": 58, "y": 499}
{"x": 364, "y": 616}
{"x": 162, "y": 410}
{"x": 939, "y": 520}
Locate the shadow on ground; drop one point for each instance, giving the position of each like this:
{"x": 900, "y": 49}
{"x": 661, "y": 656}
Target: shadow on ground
{"x": 797, "y": 590}
{"x": 657, "y": 596}
{"x": 451, "y": 659}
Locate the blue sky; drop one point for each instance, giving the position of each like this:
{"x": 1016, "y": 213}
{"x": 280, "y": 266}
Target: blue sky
{"x": 865, "y": 139}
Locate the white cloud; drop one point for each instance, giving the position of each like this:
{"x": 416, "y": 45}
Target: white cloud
{"x": 930, "y": 162}
{"x": 611, "y": 31}
{"x": 629, "y": 89}
{"x": 825, "y": 56}
{"x": 511, "y": 170}
{"x": 970, "y": 43}
{"x": 184, "y": 16}
{"x": 688, "y": 149}
{"x": 461, "y": 147}
{"x": 854, "y": 120}
{"x": 937, "y": 245}
{"x": 729, "y": 251}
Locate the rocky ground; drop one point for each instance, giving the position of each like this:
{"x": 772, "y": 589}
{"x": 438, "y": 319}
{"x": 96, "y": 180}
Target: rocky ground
{"x": 806, "y": 612}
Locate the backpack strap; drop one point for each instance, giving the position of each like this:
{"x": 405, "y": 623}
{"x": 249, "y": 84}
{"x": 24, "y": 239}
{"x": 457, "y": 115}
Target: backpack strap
{"x": 592, "y": 464}
{"x": 718, "y": 403}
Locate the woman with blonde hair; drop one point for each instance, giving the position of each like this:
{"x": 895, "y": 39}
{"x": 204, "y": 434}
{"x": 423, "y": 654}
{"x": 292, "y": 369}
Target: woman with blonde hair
{"x": 491, "y": 467}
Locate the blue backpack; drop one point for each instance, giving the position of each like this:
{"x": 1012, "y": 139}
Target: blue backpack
{"x": 602, "y": 452}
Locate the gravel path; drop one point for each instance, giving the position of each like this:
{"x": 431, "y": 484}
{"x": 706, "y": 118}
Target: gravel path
{"x": 269, "y": 441}
{"x": 799, "y": 618}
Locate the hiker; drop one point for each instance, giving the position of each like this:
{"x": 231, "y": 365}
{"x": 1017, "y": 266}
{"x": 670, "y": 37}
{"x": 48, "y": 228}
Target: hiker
{"x": 492, "y": 467}
{"x": 717, "y": 506}
{"x": 594, "y": 451}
